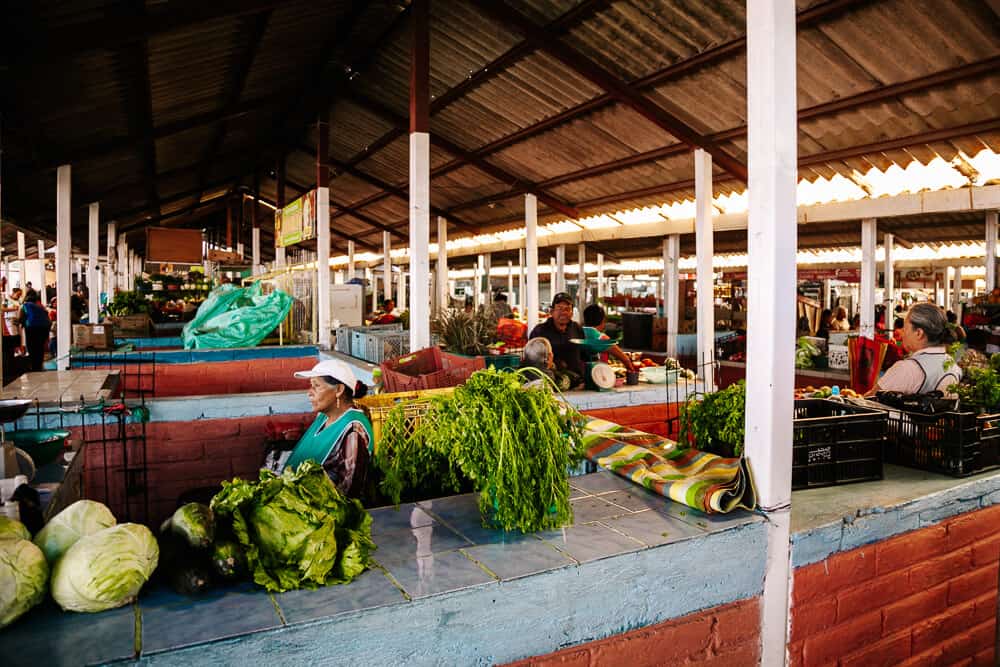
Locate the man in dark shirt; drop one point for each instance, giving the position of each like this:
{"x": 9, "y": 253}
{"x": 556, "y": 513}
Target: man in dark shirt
{"x": 559, "y": 329}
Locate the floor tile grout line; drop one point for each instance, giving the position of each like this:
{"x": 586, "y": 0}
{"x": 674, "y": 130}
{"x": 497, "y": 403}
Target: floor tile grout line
{"x": 277, "y": 608}
{"x": 392, "y": 580}
{"x": 626, "y": 535}
{"x": 481, "y": 566}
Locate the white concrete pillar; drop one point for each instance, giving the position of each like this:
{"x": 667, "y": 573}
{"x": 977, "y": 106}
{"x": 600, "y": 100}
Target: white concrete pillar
{"x": 531, "y": 259}
{"x": 991, "y": 251}
{"x": 22, "y": 256}
{"x": 521, "y": 289}
{"x": 553, "y": 278}
{"x": 64, "y": 243}
{"x": 111, "y": 284}
{"x": 372, "y": 280}
{"x": 956, "y": 293}
{"x": 581, "y": 279}
{"x": 771, "y": 299}
{"x": 351, "y": 274}
{"x": 93, "y": 250}
{"x": 477, "y": 282}
{"x": 946, "y": 300}
{"x": 386, "y": 266}
{"x": 488, "y": 274}
{"x": 889, "y": 271}
{"x": 600, "y": 276}
{"x": 443, "y": 296}
{"x": 868, "y": 231}
{"x": 671, "y": 289}
{"x": 560, "y": 280}
{"x": 704, "y": 250}
{"x": 324, "y": 317}
{"x": 510, "y": 282}
{"x": 401, "y": 299}
{"x": 420, "y": 240}
{"x": 38, "y": 280}
{"x": 255, "y": 249}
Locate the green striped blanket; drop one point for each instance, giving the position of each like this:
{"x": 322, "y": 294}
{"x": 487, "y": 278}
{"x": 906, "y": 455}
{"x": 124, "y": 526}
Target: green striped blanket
{"x": 700, "y": 480}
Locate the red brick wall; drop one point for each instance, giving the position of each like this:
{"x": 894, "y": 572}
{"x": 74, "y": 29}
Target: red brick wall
{"x": 727, "y": 636}
{"x": 181, "y": 456}
{"x": 231, "y": 377}
{"x": 927, "y": 597}
{"x": 650, "y": 418}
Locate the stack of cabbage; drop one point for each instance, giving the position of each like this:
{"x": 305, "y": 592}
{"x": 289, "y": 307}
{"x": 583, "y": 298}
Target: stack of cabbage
{"x": 96, "y": 564}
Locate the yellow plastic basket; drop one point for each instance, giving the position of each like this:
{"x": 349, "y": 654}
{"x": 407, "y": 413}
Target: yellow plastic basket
{"x": 416, "y": 404}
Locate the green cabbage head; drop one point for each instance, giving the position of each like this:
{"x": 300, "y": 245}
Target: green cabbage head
{"x": 106, "y": 569}
{"x": 84, "y": 517}
{"x": 12, "y": 529}
{"x": 24, "y": 573}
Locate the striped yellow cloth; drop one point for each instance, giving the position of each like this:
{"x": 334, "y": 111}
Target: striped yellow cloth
{"x": 705, "y": 482}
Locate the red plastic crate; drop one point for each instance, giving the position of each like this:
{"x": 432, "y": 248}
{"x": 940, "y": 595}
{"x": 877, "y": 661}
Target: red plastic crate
{"x": 429, "y": 368}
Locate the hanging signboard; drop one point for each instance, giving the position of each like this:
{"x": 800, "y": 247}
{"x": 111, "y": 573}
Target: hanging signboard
{"x": 180, "y": 246}
{"x": 847, "y": 275}
{"x": 296, "y": 222}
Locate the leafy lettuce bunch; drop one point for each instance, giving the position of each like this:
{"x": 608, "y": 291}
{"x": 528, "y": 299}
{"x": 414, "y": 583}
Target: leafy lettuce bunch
{"x": 299, "y": 531}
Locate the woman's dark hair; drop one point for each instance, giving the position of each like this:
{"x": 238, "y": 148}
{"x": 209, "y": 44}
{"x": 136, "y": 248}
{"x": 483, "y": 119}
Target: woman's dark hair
{"x": 33, "y": 297}
{"x": 593, "y": 315}
{"x": 357, "y": 391}
{"x": 932, "y": 321}
{"x": 952, "y": 317}
{"x": 897, "y": 323}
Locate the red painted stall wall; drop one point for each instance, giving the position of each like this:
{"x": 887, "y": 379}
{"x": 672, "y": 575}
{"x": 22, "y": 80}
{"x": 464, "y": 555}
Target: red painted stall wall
{"x": 927, "y": 597}
{"x": 231, "y": 377}
{"x": 726, "y": 636}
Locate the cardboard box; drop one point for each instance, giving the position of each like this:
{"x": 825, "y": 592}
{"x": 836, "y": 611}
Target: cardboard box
{"x": 94, "y": 336}
{"x": 134, "y": 326}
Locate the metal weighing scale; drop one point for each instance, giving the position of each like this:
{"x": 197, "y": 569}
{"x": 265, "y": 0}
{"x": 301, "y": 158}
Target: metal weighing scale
{"x": 598, "y": 376}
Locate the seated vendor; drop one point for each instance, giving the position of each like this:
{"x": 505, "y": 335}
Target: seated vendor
{"x": 594, "y": 316}
{"x": 341, "y": 436}
{"x": 926, "y": 335}
{"x": 537, "y": 353}
{"x": 388, "y": 314}
{"x": 560, "y": 329}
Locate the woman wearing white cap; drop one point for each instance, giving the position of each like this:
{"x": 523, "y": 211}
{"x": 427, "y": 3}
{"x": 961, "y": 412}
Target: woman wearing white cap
{"x": 341, "y": 436}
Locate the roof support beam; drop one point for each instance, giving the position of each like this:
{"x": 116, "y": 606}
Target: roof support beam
{"x": 136, "y": 57}
{"x": 618, "y": 89}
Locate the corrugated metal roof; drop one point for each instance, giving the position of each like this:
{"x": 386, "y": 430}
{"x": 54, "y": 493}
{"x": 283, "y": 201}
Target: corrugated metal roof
{"x": 85, "y": 103}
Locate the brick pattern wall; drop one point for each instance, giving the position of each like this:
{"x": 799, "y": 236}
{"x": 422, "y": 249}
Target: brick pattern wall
{"x": 181, "y": 456}
{"x": 231, "y": 377}
{"x": 726, "y": 636}
{"x": 927, "y": 597}
{"x": 652, "y": 418}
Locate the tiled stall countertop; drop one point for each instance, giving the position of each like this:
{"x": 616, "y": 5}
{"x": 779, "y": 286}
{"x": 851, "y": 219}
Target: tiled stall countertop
{"x": 70, "y": 386}
{"x": 425, "y": 549}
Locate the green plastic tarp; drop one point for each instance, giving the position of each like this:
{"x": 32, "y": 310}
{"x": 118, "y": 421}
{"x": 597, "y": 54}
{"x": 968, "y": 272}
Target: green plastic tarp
{"x": 235, "y": 317}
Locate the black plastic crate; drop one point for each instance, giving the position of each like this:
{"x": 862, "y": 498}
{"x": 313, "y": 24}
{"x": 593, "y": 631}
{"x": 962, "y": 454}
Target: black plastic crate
{"x": 952, "y": 443}
{"x": 836, "y": 443}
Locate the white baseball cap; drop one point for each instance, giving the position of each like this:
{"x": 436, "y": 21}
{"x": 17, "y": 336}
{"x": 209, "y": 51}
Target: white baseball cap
{"x": 334, "y": 368}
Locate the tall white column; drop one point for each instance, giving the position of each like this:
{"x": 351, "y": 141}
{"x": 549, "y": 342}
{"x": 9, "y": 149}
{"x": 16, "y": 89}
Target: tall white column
{"x": 868, "y": 230}
{"x": 443, "y": 296}
{"x": 946, "y": 301}
{"x": 324, "y": 318}
{"x": 581, "y": 279}
{"x": 477, "y": 282}
{"x": 956, "y": 292}
{"x": 93, "y": 250}
{"x": 39, "y": 278}
{"x": 889, "y": 270}
{"x": 671, "y": 289}
{"x": 553, "y": 278}
{"x": 510, "y": 281}
{"x": 64, "y": 243}
{"x": 22, "y": 256}
{"x": 112, "y": 261}
{"x": 521, "y": 288}
{"x": 351, "y": 275}
{"x": 704, "y": 250}
{"x": 420, "y": 241}
{"x": 991, "y": 251}
{"x": 488, "y": 273}
{"x": 560, "y": 280}
{"x": 372, "y": 280}
{"x": 255, "y": 249}
{"x": 771, "y": 298}
{"x": 600, "y": 276}
{"x": 401, "y": 300}
{"x": 386, "y": 266}
{"x": 531, "y": 259}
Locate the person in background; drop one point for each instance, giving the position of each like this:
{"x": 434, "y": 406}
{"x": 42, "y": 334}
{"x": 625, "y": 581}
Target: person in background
{"x": 77, "y": 305}
{"x": 35, "y": 329}
{"x": 925, "y": 336}
{"x": 560, "y": 329}
{"x": 953, "y": 323}
{"x": 28, "y": 290}
{"x": 501, "y": 308}
{"x": 840, "y": 321}
{"x": 537, "y": 353}
{"x": 824, "y": 323}
{"x": 994, "y": 296}
{"x": 340, "y": 437}
{"x": 469, "y": 304}
{"x": 388, "y": 315}
{"x": 594, "y": 316}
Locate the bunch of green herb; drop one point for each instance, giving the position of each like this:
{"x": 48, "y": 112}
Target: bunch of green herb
{"x": 465, "y": 333}
{"x": 514, "y": 443}
{"x": 715, "y": 424}
{"x": 980, "y": 389}
{"x": 128, "y": 303}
